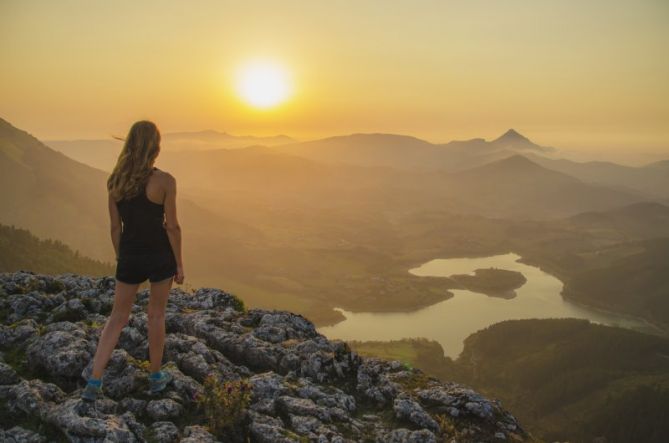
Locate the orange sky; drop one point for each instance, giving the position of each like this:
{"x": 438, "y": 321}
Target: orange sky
{"x": 575, "y": 74}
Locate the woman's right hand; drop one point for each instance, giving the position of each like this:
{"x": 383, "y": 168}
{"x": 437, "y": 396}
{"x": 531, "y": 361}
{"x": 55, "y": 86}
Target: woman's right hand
{"x": 179, "y": 276}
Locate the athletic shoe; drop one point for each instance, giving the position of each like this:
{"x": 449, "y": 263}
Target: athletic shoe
{"x": 158, "y": 382}
{"x": 92, "y": 391}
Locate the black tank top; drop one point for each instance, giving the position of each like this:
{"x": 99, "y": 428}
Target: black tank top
{"x": 143, "y": 231}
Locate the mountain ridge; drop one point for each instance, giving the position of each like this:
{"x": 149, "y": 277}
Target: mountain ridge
{"x": 516, "y": 186}
{"x": 650, "y": 180}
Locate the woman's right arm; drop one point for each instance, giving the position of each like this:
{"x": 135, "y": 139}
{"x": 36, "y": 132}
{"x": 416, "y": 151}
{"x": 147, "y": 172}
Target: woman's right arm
{"x": 172, "y": 225}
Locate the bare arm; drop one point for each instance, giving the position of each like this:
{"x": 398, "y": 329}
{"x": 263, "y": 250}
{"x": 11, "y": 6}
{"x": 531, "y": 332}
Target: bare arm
{"x": 115, "y": 222}
{"x": 171, "y": 223}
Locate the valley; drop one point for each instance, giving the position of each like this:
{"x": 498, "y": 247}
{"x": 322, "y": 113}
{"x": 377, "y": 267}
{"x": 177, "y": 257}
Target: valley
{"x": 331, "y": 228}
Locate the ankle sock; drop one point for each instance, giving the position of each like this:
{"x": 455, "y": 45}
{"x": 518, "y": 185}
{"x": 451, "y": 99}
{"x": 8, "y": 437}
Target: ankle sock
{"x": 155, "y": 375}
{"x": 95, "y": 382}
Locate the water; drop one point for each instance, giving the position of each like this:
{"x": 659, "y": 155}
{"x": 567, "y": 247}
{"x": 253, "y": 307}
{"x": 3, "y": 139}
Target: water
{"x": 449, "y": 322}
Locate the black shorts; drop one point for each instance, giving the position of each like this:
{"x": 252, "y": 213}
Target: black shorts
{"x": 134, "y": 269}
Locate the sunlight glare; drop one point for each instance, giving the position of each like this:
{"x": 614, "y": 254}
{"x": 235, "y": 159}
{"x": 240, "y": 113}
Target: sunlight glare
{"x": 263, "y": 84}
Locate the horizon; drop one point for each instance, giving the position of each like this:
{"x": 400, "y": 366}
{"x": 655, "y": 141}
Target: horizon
{"x": 580, "y": 156}
{"x": 576, "y": 155}
{"x": 598, "y": 89}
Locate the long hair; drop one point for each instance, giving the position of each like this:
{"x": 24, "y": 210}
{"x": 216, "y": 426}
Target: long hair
{"x": 134, "y": 163}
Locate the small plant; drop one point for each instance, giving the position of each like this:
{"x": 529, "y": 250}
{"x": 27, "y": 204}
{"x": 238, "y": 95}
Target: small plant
{"x": 445, "y": 425}
{"x": 54, "y": 286}
{"x": 187, "y": 287}
{"x": 16, "y": 358}
{"x": 144, "y": 365}
{"x": 238, "y": 304}
{"x": 293, "y": 436}
{"x": 414, "y": 379}
{"x": 223, "y": 403}
{"x": 95, "y": 325}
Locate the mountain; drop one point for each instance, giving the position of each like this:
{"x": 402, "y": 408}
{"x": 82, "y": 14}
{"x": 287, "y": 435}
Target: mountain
{"x": 19, "y": 249}
{"x": 400, "y": 152}
{"x": 651, "y": 180}
{"x": 512, "y": 140}
{"x": 211, "y": 139}
{"x": 239, "y": 375}
{"x": 259, "y": 167}
{"x": 52, "y": 195}
{"x": 644, "y": 220}
{"x": 661, "y": 166}
{"x": 518, "y": 187}
{"x": 406, "y": 152}
{"x": 99, "y": 154}
{"x": 512, "y": 136}
{"x": 387, "y": 150}
{"x": 634, "y": 283}
{"x": 102, "y": 154}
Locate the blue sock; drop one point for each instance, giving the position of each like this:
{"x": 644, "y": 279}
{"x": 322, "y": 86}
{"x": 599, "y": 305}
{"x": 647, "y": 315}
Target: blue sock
{"x": 155, "y": 374}
{"x": 95, "y": 381}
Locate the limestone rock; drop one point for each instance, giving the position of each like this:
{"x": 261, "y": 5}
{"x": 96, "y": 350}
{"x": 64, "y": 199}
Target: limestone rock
{"x": 303, "y": 387}
{"x": 164, "y": 432}
{"x": 164, "y": 409}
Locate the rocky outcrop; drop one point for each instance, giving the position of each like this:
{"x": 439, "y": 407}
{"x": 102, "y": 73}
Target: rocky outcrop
{"x": 304, "y": 387}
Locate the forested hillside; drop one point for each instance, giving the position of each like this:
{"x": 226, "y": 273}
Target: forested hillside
{"x": 20, "y": 249}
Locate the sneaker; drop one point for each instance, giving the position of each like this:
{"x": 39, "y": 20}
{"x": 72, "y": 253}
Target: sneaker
{"x": 92, "y": 391}
{"x": 159, "y": 382}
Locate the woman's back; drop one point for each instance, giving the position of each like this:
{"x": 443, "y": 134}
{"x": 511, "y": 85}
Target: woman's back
{"x": 147, "y": 240}
{"x": 143, "y": 221}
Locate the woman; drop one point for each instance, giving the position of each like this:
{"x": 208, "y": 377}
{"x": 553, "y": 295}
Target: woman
{"x": 147, "y": 241}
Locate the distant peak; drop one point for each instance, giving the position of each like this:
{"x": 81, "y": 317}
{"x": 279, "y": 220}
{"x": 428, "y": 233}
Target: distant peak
{"x": 213, "y": 131}
{"x": 518, "y": 159}
{"x": 512, "y": 136}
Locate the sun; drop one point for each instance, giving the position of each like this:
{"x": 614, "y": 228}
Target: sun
{"x": 263, "y": 84}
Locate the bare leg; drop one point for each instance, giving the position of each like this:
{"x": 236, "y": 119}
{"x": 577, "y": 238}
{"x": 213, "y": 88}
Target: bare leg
{"x": 123, "y": 299}
{"x": 156, "y": 313}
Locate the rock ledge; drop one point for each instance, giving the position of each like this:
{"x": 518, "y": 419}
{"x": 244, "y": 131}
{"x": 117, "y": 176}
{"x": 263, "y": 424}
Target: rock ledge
{"x": 305, "y": 388}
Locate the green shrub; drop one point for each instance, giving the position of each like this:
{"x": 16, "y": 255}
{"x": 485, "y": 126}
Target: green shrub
{"x": 223, "y": 403}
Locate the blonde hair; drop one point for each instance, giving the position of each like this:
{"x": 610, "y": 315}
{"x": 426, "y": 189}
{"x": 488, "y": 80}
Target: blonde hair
{"x": 134, "y": 164}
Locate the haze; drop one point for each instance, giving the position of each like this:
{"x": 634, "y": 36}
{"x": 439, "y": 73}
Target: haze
{"x": 477, "y": 189}
{"x": 589, "y": 77}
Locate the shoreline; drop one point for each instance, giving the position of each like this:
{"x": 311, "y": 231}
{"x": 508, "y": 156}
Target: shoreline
{"x": 449, "y": 295}
{"x": 649, "y": 327}
{"x": 658, "y": 328}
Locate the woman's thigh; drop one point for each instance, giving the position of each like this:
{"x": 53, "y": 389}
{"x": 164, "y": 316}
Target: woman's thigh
{"x": 124, "y": 297}
{"x": 158, "y": 295}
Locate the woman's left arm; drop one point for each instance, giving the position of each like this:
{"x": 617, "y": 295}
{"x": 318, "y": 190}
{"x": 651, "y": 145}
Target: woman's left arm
{"x": 115, "y": 221}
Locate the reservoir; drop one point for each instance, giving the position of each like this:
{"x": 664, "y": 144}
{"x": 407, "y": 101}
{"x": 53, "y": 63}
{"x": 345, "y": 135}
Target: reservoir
{"x": 449, "y": 322}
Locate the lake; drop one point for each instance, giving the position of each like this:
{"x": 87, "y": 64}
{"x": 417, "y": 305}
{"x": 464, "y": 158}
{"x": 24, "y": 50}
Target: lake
{"x": 449, "y": 322}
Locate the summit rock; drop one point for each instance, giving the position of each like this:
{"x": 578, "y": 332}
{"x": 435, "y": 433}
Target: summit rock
{"x": 304, "y": 387}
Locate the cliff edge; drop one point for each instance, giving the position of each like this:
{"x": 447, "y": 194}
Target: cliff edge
{"x": 302, "y": 387}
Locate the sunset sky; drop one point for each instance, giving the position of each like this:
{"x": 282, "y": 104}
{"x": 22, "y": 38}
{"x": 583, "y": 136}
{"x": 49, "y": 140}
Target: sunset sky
{"x": 573, "y": 74}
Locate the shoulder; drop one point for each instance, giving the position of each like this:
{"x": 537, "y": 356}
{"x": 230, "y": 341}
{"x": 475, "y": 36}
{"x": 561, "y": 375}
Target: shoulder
{"x": 165, "y": 177}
